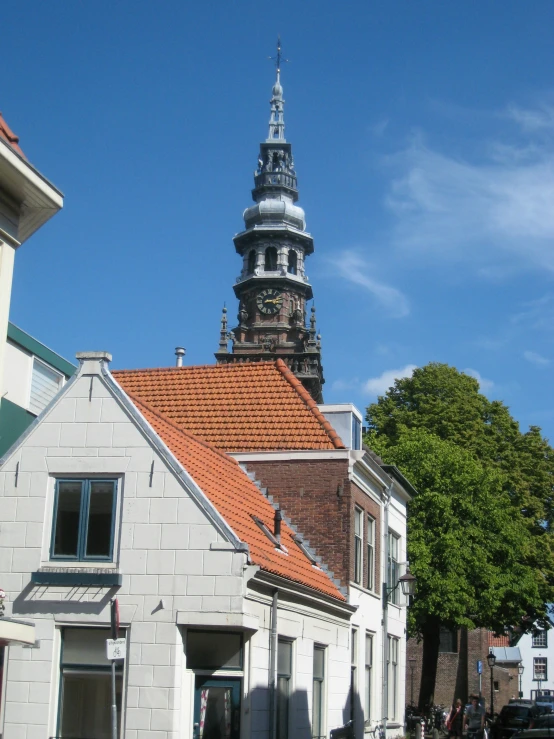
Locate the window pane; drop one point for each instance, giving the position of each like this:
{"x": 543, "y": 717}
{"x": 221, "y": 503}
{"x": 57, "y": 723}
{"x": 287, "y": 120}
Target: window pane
{"x": 369, "y": 649}
{"x": 86, "y": 704}
{"x": 85, "y": 647}
{"x": 317, "y": 709}
{"x": 215, "y": 650}
{"x": 283, "y": 707}
{"x": 354, "y": 646}
{"x": 100, "y": 519}
{"x": 319, "y": 662}
{"x": 68, "y": 512}
{"x": 358, "y": 522}
{"x": 284, "y": 658}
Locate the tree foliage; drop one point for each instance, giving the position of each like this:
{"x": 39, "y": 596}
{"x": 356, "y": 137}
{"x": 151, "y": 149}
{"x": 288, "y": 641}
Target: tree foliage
{"x": 480, "y": 529}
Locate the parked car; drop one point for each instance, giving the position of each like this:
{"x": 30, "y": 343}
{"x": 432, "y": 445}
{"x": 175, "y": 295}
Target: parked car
{"x": 514, "y": 717}
{"x": 545, "y": 721}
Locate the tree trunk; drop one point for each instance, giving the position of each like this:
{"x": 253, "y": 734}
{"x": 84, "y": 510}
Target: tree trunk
{"x": 431, "y": 637}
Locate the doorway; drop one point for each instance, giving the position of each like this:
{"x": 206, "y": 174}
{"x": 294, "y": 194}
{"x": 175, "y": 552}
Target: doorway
{"x": 216, "y": 708}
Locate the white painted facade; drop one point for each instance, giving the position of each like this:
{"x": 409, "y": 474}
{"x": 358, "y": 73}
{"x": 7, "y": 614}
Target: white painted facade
{"x": 28, "y": 201}
{"x": 537, "y": 651}
{"x": 181, "y": 568}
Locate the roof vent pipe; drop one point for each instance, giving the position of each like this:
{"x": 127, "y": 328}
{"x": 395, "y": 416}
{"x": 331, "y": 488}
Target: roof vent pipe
{"x": 277, "y": 525}
{"x": 179, "y": 354}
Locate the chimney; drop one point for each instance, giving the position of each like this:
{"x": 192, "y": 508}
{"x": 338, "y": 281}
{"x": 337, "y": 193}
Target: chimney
{"x": 277, "y": 525}
{"x": 179, "y": 353}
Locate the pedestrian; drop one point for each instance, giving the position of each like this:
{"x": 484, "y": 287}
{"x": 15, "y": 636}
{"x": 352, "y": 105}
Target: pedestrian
{"x": 474, "y": 719}
{"x": 455, "y": 720}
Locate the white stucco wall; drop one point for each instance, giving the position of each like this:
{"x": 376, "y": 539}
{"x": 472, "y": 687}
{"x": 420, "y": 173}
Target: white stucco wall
{"x": 173, "y": 559}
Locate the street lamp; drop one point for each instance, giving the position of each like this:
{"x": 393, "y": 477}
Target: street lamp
{"x": 491, "y": 661}
{"x": 520, "y": 673}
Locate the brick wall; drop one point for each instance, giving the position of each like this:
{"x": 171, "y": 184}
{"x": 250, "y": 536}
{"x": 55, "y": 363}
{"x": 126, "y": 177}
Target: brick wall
{"x": 316, "y": 495}
{"x": 457, "y": 675}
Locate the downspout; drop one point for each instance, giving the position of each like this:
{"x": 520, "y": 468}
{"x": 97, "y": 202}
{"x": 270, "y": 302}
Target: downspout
{"x": 273, "y": 668}
{"x": 385, "y": 598}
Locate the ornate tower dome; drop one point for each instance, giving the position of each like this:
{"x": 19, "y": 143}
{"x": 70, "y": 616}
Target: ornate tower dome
{"x": 273, "y": 287}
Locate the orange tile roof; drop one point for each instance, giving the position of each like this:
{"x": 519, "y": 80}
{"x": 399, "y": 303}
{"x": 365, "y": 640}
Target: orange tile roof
{"x": 237, "y": 498}
{"x": 236, "y": 407}
{"x": 8, "y": 135}
{"x": 498, "y": 641}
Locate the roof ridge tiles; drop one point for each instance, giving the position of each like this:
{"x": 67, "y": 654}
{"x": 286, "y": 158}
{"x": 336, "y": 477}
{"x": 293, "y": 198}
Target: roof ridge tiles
{"x": 176, "y": 370}
{"x": 289, "y": 375}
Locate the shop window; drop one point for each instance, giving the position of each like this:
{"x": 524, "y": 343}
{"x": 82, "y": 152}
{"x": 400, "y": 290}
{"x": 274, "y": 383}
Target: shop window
{"x": 214, "y": 650}
{"x": 84, "y": 520}
{"x": 85, "y": 685}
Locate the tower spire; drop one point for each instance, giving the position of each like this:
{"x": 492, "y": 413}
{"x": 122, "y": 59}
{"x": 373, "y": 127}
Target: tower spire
{"x": 277, "y": 115}
{"x": 273, "y": 287}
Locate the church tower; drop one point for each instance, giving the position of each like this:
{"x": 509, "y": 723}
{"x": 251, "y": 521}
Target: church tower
{"x": 273, "y": 287}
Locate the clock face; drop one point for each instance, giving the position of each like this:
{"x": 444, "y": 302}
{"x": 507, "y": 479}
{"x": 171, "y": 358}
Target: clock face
{"x": 269, "y": 301}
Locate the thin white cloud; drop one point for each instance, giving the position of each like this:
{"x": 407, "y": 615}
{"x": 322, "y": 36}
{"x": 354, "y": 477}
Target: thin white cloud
{"x": 490, "y": 211}
{"x": 532, "y": 120}
{"x": 484, "y": 384}
{"x": 536, "y": 358}
{"x": 351, "y": 267}
{"x": 380, "y": 385}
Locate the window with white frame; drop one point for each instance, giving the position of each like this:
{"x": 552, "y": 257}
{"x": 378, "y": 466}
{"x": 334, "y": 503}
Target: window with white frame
{"x": 85, "y": 684}
{"x": 45, "y": 383}
{"x": 540, "y": 671}
{"x": 318, "y": 692}
{"x": 83, "y": 522}
{"x": 353, "y": 670}
{"x": 370, "y": 564}
{"x": 393, "y": 570}
{"x": 392, "y": 667}
{"x": 540, "y": 639}
{"x": 284, "y": 680}
{"x": 358, "y": 540}
{"x": 368, "y": 675}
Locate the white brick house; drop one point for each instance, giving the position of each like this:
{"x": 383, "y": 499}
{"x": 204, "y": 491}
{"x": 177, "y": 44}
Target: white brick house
{"x": 102, "y": 497}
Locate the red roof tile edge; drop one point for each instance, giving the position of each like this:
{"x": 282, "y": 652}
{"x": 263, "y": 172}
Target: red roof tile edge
{"x": 8, "y": 135}
{"x": 310, "y": 402}
{"x": 138, "y": 403}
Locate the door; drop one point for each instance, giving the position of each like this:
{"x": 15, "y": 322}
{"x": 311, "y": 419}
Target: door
{"x": 216, "y": 708}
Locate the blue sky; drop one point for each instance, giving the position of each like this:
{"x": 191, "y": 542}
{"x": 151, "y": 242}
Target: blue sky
{"x": 423, "y": 135}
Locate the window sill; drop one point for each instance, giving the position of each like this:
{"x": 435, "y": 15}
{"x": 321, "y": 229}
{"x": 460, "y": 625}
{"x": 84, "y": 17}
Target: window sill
{"x": 71, "y": 576}
{"x": 361, "y": 588}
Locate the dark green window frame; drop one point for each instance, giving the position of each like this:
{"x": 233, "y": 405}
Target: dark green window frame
{"x": 81, "y": 555}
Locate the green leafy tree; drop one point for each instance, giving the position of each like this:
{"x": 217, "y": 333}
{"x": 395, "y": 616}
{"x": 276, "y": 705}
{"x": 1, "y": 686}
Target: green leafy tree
{"x": 479, "y": 530}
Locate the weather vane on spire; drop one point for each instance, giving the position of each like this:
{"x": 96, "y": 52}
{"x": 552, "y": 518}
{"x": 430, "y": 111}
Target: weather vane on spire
{"x": 279, "y": 57}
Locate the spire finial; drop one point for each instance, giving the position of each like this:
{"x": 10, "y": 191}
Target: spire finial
{"x": 276, "y": 119}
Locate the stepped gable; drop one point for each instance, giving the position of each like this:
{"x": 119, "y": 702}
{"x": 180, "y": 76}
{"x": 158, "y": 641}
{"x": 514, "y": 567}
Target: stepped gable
{"x": 8, "y": 135}
{"x": 254, "y": 406}
{"x": 237, "y": 499}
